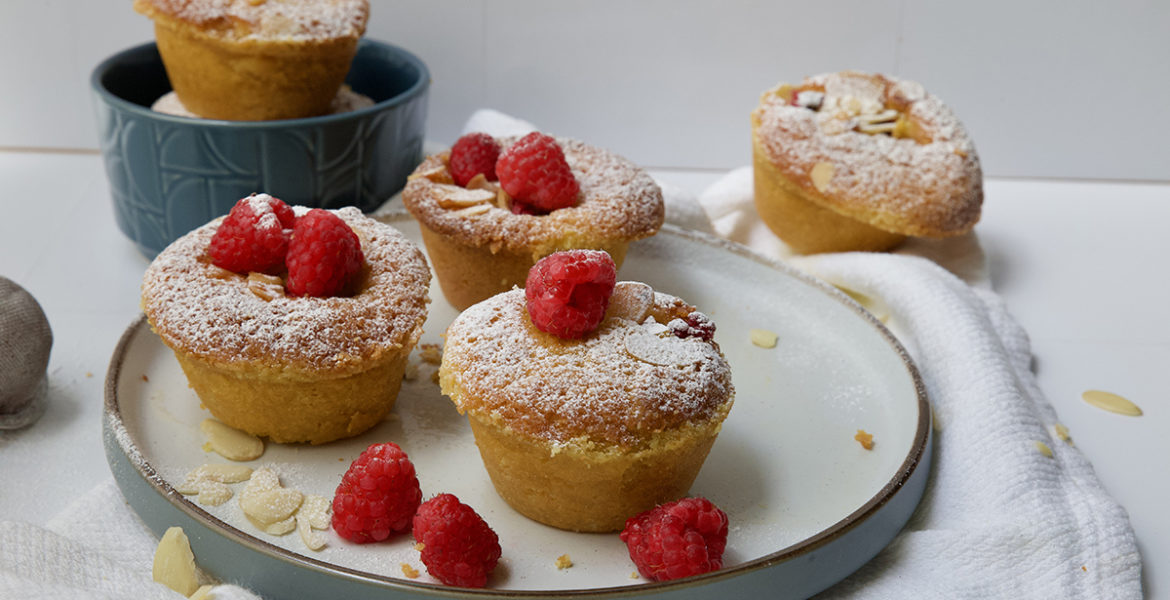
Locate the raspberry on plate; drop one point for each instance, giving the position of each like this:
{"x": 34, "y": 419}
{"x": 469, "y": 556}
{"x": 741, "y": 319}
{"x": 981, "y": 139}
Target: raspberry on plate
{"x": 377, "y": 496}
{"x": 534, "y": 172}
{"x": 324, "y": 255}
{"x": 458, "y": 546}
{"x": 253, "y": 236}
{"x": 677, "y": 539}
{"x": 567, "y": 292}
{"x": 472, "y": 154}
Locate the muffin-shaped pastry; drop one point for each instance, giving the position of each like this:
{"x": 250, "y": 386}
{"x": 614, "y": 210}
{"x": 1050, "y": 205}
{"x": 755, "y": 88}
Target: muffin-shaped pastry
{"x": 853, "y": 161}
{"x": 483, "y": 238}
{"x": 254, "y": 60}
{"x": 583, "y": 433}
{"x": 266, "y": 357}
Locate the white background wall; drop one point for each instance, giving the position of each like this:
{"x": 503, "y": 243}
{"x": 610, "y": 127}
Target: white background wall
{"x": 1048, "y": 88}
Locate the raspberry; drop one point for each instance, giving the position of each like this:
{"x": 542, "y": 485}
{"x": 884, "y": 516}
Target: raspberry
{"x": 377, "y": 496}
{"x": 253, "y": 236}
{"x": 534, "y": 172}
{"x": 678, "y": 539}
{"x": 568, "y": 292}
{"x": 473, "y": 154}
{"x": 324, "y": 254}
{"x": 695, "y": 324}
{"x": 458, "y": 547}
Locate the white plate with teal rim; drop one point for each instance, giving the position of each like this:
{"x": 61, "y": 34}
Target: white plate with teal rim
{"x": 808, "y": 505}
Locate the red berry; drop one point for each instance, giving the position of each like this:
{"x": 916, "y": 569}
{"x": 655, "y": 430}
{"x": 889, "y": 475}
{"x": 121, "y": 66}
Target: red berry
{"x": 534, "y": 172}
{"x": 324, "y": 254}
{"x": 377, "y": 496}
{"x": 678, "y": 539}
{"x": 695, "y": 324}
{"x": 473, "y": 154}
{"x": 253, "y": 236}
{"x": 568, "y": 292}
{"x": 458, "y": 547}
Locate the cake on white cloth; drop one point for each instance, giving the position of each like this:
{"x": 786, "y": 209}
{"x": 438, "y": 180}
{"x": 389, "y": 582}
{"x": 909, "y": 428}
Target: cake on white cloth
{"x": 999, "y": 519}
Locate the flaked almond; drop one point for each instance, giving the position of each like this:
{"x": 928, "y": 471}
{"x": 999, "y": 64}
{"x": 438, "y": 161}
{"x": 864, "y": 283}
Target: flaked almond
{"x": 265, "y": 287}
{"x": 480, "y": 182}
{"x": 269, "y": 506}
{"x": 313, "y": 541}
{"x": 504, "y": 201}
{"x": 281, "y": 527}
{"x": 453, "y": 196}
{"x": 876, "y": 128}
{"x": 763, "y": 338}
{"x": 229, "y": 443}
{"x": 472, "y": 211}
{"x": 888, "y": 115}
{"x": 174, "y": 563}
{"x": 631, "y": 300}
{"x": 1112, "y": 403}
{"x": 653, "y": 343}
{"x": 438, "y": 175}
{"x": 820, "y": 175}
{"x": 218, "y": 272}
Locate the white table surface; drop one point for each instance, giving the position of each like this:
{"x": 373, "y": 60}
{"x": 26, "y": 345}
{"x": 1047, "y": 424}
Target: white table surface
{"x": 1080, "y": 264}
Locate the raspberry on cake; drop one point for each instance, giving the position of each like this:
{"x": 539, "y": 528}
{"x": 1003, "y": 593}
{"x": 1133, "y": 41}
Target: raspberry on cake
{"x": 567, "y": 292}
{"x": 580, "y": 433}
{"x": 377, "y": 496}
{"x": 553, "y": 194}
{"x": 291, "y": 368}
{"x": 324, "y": 255}
{"x": 677, "y": 539}
{"x": 458, "y": 546}
{"x": 474, "y": 154}
{"x": 254, "y": 236}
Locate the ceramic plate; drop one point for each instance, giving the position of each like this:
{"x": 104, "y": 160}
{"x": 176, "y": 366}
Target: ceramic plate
{"x": 808, "y": 505}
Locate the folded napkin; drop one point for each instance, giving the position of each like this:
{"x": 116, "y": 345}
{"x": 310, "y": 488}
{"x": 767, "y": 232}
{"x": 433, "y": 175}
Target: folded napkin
{"x": 1000, "y": 517}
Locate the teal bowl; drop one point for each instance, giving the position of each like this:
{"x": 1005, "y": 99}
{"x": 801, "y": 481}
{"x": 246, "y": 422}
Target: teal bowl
{"x": 169, "y": 174}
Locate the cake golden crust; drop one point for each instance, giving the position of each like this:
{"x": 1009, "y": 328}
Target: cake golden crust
{"x": 210, "y": 313}
{"x": 293, "y": 369}
{"x": 927, "y": 183}
{"x": 618, "y": 202}
{"x": 583, "y": 434}
{"x": 248, "y": 60}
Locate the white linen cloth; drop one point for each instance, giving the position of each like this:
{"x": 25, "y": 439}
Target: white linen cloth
{"x": 999, "y": 519}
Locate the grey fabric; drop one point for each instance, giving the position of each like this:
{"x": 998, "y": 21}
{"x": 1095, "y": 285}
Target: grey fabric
{"x": 25, "y": 342}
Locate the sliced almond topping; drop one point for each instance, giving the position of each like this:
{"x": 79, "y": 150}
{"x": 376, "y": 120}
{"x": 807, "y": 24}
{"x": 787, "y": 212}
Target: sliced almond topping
{"x": 504, "y": 201}
{"x": 265, "y": 287}
{"x": 1112, "y": 403}
{"x": 217, "y": 272}
{"x": 453, "y": 196}
{"x": 1043, "y": 449}
{"x": 472, "y": 211}
{"x": 763, "y": 338}
{"x": 229, "y": 443}
{"x": 438, "y": 175}
{"x": 480, "y": 182}
{"x": 174, "y": 563}
{"x": 876, "y": 128}
{"x": 820, "y": 175}
{"x": 631, "y": 300}
{"x": 888, "y": 115}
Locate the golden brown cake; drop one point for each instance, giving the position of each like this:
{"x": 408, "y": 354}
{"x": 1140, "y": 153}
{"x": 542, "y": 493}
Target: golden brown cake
{"x": 481, "y": 249}
{"x": 293, "y": 369}
{"x": 583, "y": 434}
{"x": 254, "y": 60}
{"x": 853, "y": 161}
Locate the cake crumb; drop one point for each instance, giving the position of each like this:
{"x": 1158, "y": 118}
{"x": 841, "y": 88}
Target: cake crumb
{"x": 1062, "y": 433}
{"x": 435, "y": 377}
{"x": 1083, "y": 568}
{"x": 634, "y": 575}
{"x": 430, "y": 353}
{"x": 419, "y": 546}
{"x": 865, "y": 439}
{"x": 89, "y": 374}
{"x": 564, "y": 562}
{"x": 1043, "y": 448}
{"x": 411, "y": 371}
{"x": 145, "y": 378}
{"x": 409, "y": 571}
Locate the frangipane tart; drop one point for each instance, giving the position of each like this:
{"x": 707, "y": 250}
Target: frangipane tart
{"x": 581, "y": 434}
{"x": 854, "y": 161}
{"x": 256, "y": 60}
{"x": 480, "y": 248}
{"x": 293, "y": 369}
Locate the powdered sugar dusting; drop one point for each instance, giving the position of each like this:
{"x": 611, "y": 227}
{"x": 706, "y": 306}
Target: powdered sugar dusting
{"x": 297, "y": 20}
{"x": 565, "y": 389}
{"x": 209, "y": 312}
{"x": 619, "y": 202}
{"x": 898, "y": 184}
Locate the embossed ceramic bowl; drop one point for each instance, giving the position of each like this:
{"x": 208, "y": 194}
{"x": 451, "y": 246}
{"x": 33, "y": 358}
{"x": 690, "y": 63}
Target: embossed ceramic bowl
{"x": 169, "y": 174}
